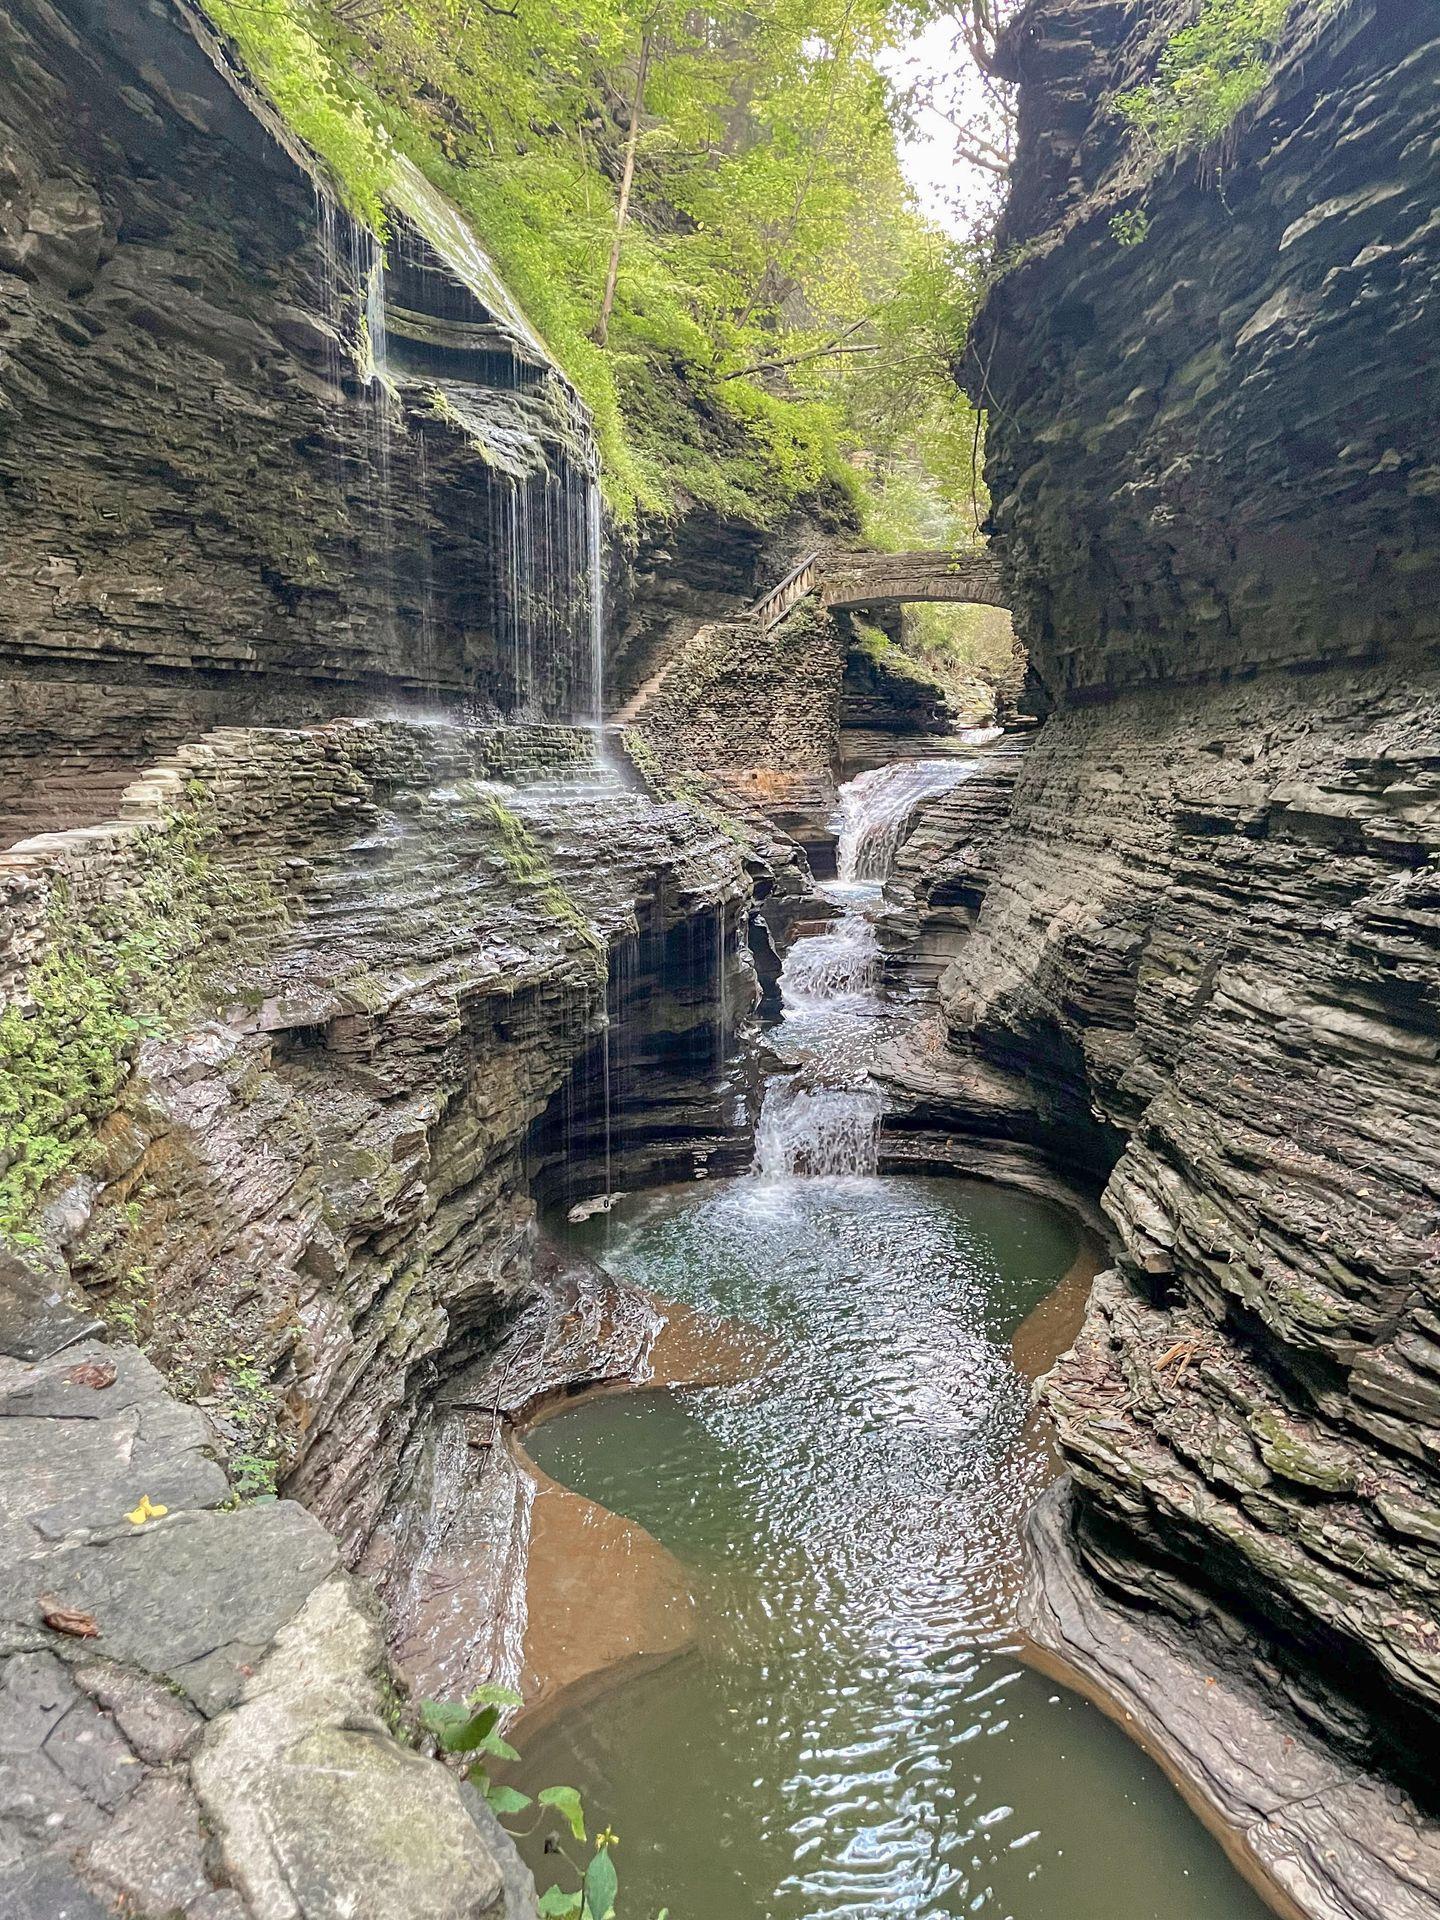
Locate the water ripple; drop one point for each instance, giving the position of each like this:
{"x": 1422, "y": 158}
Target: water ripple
{"x": 853, "y": 1737}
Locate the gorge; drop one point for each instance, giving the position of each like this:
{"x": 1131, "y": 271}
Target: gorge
{"x": 560, "y": 1081}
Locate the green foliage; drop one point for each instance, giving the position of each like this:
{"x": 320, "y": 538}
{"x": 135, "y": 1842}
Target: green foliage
{"x": 769, "y": 217}
{"x": 566, "y": 1802}
{"x": 600, "y": 1885}
{"x": 471, "y": 1728}
{"x": 248, "y": 1408}
{"x": 113, "y": 969}
{"x": 128, "y": 1303}
{"x": 1131, "y": 228}
{"x": 1208, "y": 74}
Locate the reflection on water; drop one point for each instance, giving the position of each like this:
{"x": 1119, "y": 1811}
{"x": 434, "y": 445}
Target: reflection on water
{"x": 853, "y": 1735}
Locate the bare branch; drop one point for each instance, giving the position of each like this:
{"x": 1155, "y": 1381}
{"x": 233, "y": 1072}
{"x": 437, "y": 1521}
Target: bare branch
{"x": 831, "y": 349}
{"x": 627, "y": 180}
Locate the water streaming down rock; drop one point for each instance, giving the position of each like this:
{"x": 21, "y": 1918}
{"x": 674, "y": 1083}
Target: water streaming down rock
{"x": 595, "y": 557}
{"x": 417, "y": 356}
{"x": 875, "y": 809}
{"x": 820, "y": 1132}
{"x": 825, "y": 1119}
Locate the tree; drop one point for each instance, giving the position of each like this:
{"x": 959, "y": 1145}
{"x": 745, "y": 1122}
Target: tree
{"x": 627, "y": 180}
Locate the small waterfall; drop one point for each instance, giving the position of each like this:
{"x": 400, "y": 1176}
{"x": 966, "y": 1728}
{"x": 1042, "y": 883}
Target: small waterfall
{"x": 841, "y": 964}
{"x": 595, "y": 575}
{"x": 823, "y": 1132}
{"x": 352, "y": 298}
{"x": 824, "y": 1120}
{"x": 537, "y": 508}
{"x": 875, "y": 809}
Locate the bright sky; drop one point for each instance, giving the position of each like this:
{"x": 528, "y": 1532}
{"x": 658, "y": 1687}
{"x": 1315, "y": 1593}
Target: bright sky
{"x": 943, "y": 184}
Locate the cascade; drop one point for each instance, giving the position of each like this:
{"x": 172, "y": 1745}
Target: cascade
{"x": 824, "y": 1119}
{"x": 398, "y": 330}
{"x": 875, "y": 808}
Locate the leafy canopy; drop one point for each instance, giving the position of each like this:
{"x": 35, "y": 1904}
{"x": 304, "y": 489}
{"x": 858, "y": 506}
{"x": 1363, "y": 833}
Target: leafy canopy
{"x": 770, "y": 222}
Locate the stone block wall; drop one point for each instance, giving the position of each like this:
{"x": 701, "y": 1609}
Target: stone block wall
{"x": 756, "y": 712}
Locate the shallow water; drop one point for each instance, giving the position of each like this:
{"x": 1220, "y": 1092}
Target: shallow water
{"x": 853, "y": 1735}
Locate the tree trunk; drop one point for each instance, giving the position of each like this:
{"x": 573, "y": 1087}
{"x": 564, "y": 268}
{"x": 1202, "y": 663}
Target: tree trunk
{"x": 637, "y": 107}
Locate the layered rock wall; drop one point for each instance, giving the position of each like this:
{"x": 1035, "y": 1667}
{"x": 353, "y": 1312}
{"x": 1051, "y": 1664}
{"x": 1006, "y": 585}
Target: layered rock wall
{"x": 310, "y": 1194}
{"x": 246, "y": 473}
{"x": 1205, "y": 973}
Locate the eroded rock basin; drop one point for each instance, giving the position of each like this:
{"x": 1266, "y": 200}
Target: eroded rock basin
{"x": 851, "y": 1732}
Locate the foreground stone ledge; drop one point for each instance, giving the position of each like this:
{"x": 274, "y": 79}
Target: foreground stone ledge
{"x": 193, "y": 1706}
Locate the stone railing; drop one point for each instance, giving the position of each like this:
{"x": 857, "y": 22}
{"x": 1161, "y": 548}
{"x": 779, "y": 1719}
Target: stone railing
{"x": 892, "y": 579}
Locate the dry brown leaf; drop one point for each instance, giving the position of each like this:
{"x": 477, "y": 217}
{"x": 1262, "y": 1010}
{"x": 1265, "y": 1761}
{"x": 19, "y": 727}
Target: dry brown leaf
{"x": 80, "y": 1626}
{"x": 93, "y": 1373}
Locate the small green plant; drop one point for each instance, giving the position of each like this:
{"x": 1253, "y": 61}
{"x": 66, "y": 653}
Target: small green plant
{"x": 127, "y": 1303}
{"x": 470, "y": 1729}
{"x": 249, "y": 1409}
{"x": 1131, "y": 228}
{"x": 120, "y": 961}
{"x": 1207, "y": 75}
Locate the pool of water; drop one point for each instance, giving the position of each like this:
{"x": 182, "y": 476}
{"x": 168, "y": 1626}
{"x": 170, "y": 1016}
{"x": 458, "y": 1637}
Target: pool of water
{"x": 852, "y": 1734}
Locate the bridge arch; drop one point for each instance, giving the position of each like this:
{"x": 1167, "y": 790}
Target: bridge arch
{"x": 848, "y": 582}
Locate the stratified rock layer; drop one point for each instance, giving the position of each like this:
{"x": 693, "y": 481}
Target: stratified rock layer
{"x": 216, "y": 504}
{"x": 314, "y": 1191}
{"x": 1206, "y": 971}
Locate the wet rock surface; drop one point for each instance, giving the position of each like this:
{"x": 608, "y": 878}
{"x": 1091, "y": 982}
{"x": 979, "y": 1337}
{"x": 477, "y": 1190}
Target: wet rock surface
{"x": 316, "y": 1201}
{"x": 211, "y": 512}
{"x": 1325, "y": 1833}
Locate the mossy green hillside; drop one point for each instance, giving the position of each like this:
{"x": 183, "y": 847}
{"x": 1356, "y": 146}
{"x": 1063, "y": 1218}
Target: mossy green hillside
{"x": 769, "y": 219}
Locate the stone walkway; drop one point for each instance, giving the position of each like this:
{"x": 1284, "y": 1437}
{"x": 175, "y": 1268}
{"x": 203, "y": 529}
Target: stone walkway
{"x": 193, "y": 1705}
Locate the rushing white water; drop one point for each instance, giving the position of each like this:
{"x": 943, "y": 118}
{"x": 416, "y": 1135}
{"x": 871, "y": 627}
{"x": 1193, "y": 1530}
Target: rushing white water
{"x": 819, "y": 1131}
{"x": 824, "y": 1119}
{"x": 876, "y": 808}
{"x": 839, "y": 965}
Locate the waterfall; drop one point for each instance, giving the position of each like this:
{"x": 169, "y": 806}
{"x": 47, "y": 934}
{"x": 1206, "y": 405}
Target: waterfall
{"x": 875, "y": 809}
{"x": 842, "y": 964}
{"x": 595, "y": 572}
{"x": 352, "y": 299}
{"x": 819, "y": 1131}
{"x": 534, "y": 477}
{"x": 824, "y": 1119}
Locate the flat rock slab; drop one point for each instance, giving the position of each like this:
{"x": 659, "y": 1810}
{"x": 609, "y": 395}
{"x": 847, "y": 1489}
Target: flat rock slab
{"x": 84, "y": 1434}
{"x": 1338, "y": 1843}
{"x": 39, "y": 1317}
{"x": 196, "y": 1597}
{"x": 131, "y": 1781}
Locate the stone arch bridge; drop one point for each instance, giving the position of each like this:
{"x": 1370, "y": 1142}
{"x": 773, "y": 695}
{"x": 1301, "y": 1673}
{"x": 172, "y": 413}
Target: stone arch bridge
{"x": 848, "y": 581}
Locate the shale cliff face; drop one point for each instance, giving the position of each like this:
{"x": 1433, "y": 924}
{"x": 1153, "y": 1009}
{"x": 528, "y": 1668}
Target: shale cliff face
{"x": 1207, "y": 969}
{"x": 309, "y": 974}
{"x": 246, "y": 472}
